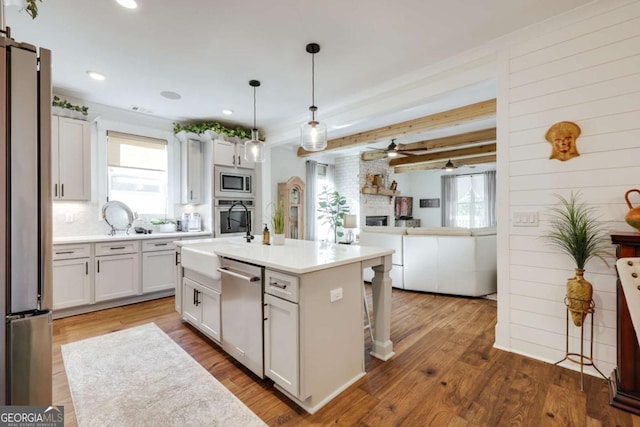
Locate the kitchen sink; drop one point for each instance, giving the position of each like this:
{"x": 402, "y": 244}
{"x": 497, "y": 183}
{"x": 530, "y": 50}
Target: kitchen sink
{"x": 201, "y": 259}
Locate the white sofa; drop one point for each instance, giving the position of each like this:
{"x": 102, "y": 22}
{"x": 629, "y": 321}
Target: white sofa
{"x": 445, "y": 260}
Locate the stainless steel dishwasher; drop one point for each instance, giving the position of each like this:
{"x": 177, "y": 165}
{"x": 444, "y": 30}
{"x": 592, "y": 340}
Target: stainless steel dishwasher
{"x": 242, "y": 313}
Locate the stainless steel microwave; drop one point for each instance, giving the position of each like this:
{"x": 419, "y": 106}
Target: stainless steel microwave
{"x": 231, "y": 182}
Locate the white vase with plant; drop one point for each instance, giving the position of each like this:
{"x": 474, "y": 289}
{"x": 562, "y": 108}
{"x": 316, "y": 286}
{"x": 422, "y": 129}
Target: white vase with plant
{"x": 277, "y": 223}
{"x": 576, "y": 231}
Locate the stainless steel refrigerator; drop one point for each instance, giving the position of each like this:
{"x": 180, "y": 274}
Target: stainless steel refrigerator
{"x": 25, "y": 223}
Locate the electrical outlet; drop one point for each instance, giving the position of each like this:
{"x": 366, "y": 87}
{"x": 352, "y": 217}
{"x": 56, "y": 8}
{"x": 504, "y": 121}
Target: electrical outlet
{"x": 68, "y": 217}
{"x": 336, "y": 294}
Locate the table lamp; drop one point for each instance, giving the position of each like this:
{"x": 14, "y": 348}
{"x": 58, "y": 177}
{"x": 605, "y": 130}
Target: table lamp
{"x": 350, "y": 222}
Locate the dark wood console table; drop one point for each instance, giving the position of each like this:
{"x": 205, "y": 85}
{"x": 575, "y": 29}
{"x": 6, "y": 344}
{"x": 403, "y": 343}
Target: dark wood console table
{"x": 624, "y": 384}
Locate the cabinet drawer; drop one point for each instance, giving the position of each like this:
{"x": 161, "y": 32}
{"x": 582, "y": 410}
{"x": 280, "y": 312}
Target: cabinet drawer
{"x": 281, "y": 285}
{"x": 158, "y": 245}
{"x": 117, "y": 247}
{"x": 71, "y": 251}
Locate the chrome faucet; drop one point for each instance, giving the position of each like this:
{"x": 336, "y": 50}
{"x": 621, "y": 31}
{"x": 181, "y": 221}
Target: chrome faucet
{"x": 249, "y": 237}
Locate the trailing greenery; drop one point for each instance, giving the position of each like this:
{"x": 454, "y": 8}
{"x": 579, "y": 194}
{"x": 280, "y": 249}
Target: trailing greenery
{"x": 218, "y": 128}
{"x": 332, "y": 208}
{"x": 576, "y": 231}
{"x": 277, "y": 219}
{"x": 32, "y": 8}
{"x": 63, "y": 103}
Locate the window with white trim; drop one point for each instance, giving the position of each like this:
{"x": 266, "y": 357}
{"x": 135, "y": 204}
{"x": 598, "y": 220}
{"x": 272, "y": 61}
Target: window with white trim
{"x": 137, "y": 172}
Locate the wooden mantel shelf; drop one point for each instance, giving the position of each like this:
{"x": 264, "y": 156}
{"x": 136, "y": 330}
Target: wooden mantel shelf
{"x": 380, "y": 191}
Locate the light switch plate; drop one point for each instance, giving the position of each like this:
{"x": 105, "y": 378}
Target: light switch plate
{"x": 525, "y": 219}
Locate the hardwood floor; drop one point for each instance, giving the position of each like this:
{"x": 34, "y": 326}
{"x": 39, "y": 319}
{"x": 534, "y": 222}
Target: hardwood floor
{"x": 445, "y": 372}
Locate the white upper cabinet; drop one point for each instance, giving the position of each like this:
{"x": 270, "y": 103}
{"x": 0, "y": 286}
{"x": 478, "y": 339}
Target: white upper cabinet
{"x": 192, "y": 171}
{"x": 70, "y": 159}
{"x": 226, "y": 153}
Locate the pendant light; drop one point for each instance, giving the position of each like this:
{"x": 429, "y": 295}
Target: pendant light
{"x": 449, "y": 166}
{"x": 313, "y": 136}
{"x": 254, "y": 149}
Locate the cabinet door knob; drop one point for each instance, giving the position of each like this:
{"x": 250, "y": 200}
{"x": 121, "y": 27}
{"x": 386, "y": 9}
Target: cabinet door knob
{"x": 98, "y": 266}
{"x": 86, "y": 268}
{"x": 55, "y": 190}
{"x": 62, "y": 190}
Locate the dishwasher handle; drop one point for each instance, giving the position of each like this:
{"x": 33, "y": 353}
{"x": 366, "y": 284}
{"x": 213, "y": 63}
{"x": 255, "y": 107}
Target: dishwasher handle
{"x": 247, "y": 277}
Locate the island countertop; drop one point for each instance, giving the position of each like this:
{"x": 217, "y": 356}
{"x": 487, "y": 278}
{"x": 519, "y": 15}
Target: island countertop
{"x": 295, "y": 256}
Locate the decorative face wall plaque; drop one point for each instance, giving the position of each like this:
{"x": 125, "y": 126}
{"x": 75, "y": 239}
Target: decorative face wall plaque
{"x": 562, "y": 137}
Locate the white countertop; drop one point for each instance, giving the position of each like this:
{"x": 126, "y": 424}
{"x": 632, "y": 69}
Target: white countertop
{"x": 295, "y": 256}
{"x": 131, "y": 236}
{"x": 631, "y": 288}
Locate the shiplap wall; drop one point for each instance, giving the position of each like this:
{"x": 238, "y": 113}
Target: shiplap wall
{"x": 582, "y": 67}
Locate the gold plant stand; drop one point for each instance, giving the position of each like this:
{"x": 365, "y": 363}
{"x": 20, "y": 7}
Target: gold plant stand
{"x": 583, "y": 359}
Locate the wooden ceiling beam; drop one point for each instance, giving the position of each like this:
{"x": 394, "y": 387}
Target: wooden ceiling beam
{"x": 440, "y": 165}
{"x": 449, "y": 154}
{"x": 450, "y": 118}
{"x": 484, "y": 135}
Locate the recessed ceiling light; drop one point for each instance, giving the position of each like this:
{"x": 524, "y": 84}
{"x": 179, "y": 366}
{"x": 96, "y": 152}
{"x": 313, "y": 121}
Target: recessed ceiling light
{"x": 170, "y": 95}
{"x": 129, "y": 4}
{"x": 227, "y": 112}
{"x": 95, "y": 75}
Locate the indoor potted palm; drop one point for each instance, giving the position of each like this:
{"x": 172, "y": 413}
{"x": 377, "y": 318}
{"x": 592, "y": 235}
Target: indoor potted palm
{"x": 277, "y": 223}
{"x": 576, "y": 231}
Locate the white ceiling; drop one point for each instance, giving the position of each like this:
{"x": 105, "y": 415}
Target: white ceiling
{"x": 208, "y": 51}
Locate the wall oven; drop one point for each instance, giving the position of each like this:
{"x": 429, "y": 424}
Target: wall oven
{"x": 238, "y": 217}
{"x": 234, "y": 183}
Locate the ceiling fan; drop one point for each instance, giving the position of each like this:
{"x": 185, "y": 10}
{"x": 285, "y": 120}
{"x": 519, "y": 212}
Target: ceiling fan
{"x": 380, "y": 153}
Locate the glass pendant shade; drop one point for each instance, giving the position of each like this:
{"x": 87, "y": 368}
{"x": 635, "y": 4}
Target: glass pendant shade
{"x": 313, "y": 136}
{"x": 254, "y": 149}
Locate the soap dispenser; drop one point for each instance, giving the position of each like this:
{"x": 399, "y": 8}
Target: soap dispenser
{"x": 265, "y": 235}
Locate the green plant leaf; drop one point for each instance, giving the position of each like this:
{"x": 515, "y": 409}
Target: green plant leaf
{"x": 575, "y": 231}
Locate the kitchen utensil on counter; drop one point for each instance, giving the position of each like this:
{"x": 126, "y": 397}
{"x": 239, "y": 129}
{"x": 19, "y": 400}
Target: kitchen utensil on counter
{"x": 195, "y": 222}
{"x": 185, "y": 221}
{"x": 118, "y": 216}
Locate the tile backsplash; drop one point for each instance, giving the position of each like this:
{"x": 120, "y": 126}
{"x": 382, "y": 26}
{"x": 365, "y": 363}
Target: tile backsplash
{"x": 77, "y": 219}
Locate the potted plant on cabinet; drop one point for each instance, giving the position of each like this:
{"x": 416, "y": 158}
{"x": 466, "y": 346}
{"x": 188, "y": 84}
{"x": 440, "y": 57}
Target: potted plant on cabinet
{"x": 332, "y": 208}
{"x": 576, "y": 231}
{"x": 277, "y": 223}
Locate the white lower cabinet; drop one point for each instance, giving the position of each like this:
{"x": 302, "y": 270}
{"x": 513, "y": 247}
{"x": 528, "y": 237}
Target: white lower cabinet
{"x": 117, "y": 276}
{"x": 158, "y": 265}
{"x": 71, "y": 283}
{"x": 201, "y": 307}
{"x": 281, "y": 344}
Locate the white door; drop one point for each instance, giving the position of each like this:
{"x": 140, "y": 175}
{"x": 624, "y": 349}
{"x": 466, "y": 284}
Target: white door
{"x": 281, "y": 348}
{"x": 116, "y": 276}
{"x": 194, "y": 172}
{"x": 242, "y": 163}
{"x": 74, "y": 159}
{"x": 224, "y": 153}
{"x": 158, "y": 271}
{"x": 191, "y": 310}
{"x": 71, "y": 283}
{"x": 55, "y": 161}
{"x": 210, "y": 322}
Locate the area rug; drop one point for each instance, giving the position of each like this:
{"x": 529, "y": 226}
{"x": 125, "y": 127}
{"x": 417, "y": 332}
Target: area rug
{"x": 141, "y": 377}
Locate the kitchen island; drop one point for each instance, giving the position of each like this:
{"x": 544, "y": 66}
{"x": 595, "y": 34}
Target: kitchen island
{"x": 312, "y": 309}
